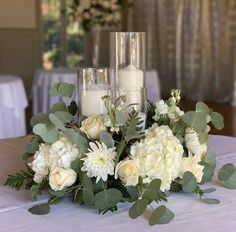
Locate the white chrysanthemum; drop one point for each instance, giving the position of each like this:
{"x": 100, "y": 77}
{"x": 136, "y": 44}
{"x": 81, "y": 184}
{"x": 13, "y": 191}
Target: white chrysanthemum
{"x": 99, "y": 161}
{"x": 158, "y": 155}
{"x": 161, "y": 108}
{"x": 192, "y": 142}
{"x": 40, "y": 165}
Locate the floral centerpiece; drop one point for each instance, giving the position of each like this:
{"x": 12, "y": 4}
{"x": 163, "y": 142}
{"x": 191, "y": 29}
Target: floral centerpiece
{"x": 98, "y": 12}
{"x": 103, "y": 160}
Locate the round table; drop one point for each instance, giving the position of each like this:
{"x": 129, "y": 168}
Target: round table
{"x": 45, "y": 79}
{"x": 13, "y": 102}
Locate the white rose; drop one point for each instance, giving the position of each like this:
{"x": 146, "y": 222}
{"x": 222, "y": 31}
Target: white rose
{"x": 191, "y": 164}
{"x": 192, "y": 142}
{"x": 93, "y": 126}
{"x": 128, "y": 172}
{"x": 60, "y": 178}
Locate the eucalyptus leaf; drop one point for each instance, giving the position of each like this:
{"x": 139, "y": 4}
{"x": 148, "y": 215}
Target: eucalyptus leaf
{"x": 133, "y": 192}
{"x": 53, "y": 91}
{"x": 209, "y": 167}
{"x": 120, "y": 117}
{"x": 87, "y": 195}
{"x": 60, "y": 106}
{"x": 76, "y": 138}
{"x": 209, "y": 190}
{"x": 161, "y": 215}
{"x": 210, "y": 200}
{"x": 138, "y": 208}
{"x": 59, "y": 193}
{"x": 64, "y": 116}
{"x": 76, "y": 165}
{"x": 40, "y": 129}
{"x": 55, "y": 200}
{"x": 231, "y": 182}
{"x": 107, "y": 199}
{"x": 203, "y": 137}
{"x": 107, "y": 139}
{"x": 201, "y": 107}
{"x": 50, "y": 136}
{"x": 152, "y": 190}
{"x": 56, "y": 121}
{"x": 226, "y": 172}
{"x": 195, "y": 120}
{"x": 40, "y": 209}
{"x": 39, "y": 118}
{"x": 189, "y": 182}
{"x": 217, "y": 120}
{"x": 32, "y": 147}
{"x": 66, "y": 89}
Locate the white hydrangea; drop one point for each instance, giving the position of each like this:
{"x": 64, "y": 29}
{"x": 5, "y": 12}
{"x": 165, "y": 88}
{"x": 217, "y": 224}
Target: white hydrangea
{"x": 161, "y": 108}
{"x": 99, "y": 161}
{"x": 59, "y": 154}
{"x": 158, "y": 155}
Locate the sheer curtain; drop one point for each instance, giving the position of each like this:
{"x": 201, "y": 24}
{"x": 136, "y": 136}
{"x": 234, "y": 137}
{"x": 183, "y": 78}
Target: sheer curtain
{"x": 192, "y": 44}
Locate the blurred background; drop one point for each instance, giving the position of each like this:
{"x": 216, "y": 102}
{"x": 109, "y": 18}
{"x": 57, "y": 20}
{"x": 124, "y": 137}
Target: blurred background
{"x": 191, "y": 45}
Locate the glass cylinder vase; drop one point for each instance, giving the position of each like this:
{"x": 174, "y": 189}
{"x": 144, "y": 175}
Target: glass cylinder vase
{"x": 93, "y": 85}
{"x": 127, "y": 62}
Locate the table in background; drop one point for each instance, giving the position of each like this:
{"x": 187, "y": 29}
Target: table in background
{"x": 45, "y": 79}
{"x": 190, "y": 214}
{"x": 13, "y": 102}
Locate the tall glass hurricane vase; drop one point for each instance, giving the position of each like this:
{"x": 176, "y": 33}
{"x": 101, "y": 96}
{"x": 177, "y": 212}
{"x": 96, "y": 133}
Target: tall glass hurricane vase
{"x": 127, "y": 62}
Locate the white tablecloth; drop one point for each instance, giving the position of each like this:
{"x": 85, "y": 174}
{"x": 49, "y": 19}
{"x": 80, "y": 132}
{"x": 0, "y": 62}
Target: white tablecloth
{"x": 190, "y": 214}
{"x": 13, "y": 102}
{"x": 45, "y": 79}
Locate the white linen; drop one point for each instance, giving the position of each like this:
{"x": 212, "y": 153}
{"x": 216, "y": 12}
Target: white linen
{"x": 13, "y": 102}
{"x": 45, "y": 79}
{"x": 190, "y": 214}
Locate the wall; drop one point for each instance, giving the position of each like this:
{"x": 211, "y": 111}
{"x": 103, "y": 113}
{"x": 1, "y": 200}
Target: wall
{"x": 20, "y": 39}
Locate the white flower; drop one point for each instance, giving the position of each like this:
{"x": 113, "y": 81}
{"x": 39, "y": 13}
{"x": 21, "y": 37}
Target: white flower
{"x": 99, "y": 161}
{"x": 191, "y": 164}
{"x": 62, "y": 153}
{"x": 127, "y": 171}
{"x": 161, "y": 108}
{"x": 93, "y": 126}
{"x": 61, "y": 178}
{"x": 158, "y": 155}
{"x": 40, "y": 165}
{"x": 192, "y": 142}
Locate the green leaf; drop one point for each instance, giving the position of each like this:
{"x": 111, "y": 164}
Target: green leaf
{"x": 64, "y": 116}
{"x": 31, "y": 147}
{"x": 217, "y": 120}
{"x": 203, "y": 137}
{"x": 76, "y": 165}
{"x": 131, "y": 130}
{"x": 161, "y": 215}
{"x": 210, "y": 200}
{"x": 209, "y": 190}
{"x": 40, "y": 209}
{"x": 60, "y": 106}
{"x": 107, "y": 198}
{"x": 209, "y": 167}
{"x": 226, "y": 172}
{"x": 66, "y": 89}
{"x": 152, "y": 190}
{"x": 133, "y": 192}
{"x": 138, "y": 208}
{"x": 120, "y": 117}
{"x": 55, "y": 200}
{"x": 39, "y": 118}
{"x": 201, "y": 107}
{"x": 76, "y": 138}
{"x": 51, "y": 136}
{"x": 99, "y": 186}
{"x": 53, "y": 91}
{"x": 107, "y": 139}
{"x": 231, "y": 182}
{"x": 40, "y": 129}
{"x": 72, "y": 108}
{"x": 189, "y": 182}
{"x": 87, "y": 195}
{"x": 195, "y": 120}
{"x": 60, "y": 193}
{"x": 57, "y": 122}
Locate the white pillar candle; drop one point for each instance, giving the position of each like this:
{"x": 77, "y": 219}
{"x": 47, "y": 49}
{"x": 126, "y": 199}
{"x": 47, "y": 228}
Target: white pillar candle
{"x": 130, "y": 78}
{"x": 91, "y": 101}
